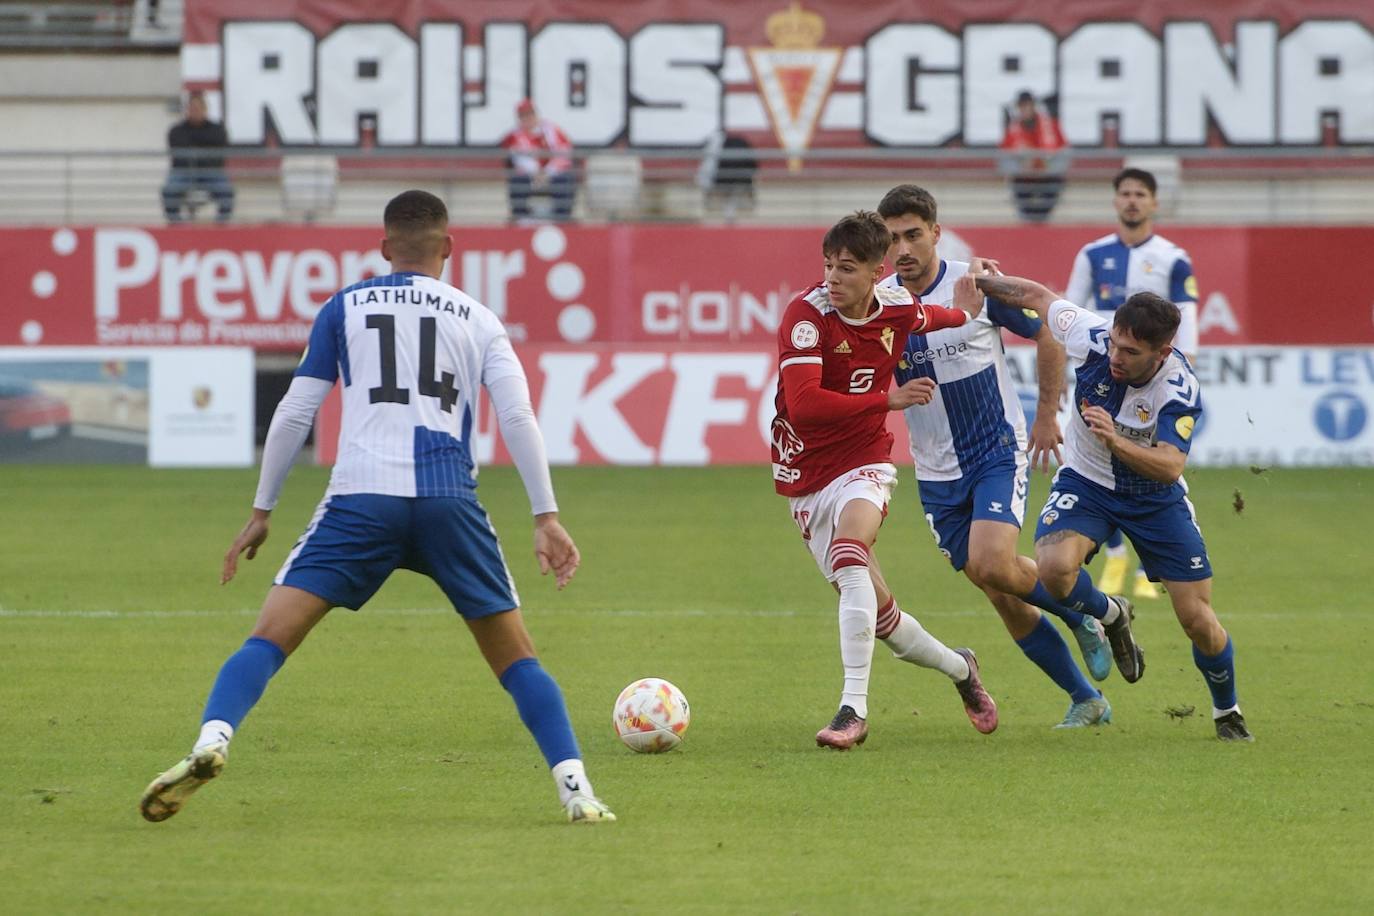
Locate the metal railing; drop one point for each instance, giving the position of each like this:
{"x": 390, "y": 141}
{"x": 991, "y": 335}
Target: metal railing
{"x": 1314, "y": 185}
{"x": 91, "y": 25}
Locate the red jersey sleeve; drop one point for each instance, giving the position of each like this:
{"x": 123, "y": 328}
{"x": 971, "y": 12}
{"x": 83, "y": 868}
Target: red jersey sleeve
{"x": 936, "y": 317}
{"x": 800, "y": 365}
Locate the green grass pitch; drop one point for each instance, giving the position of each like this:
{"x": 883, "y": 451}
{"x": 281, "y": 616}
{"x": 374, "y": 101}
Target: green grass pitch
{"x": 386, "y": 771}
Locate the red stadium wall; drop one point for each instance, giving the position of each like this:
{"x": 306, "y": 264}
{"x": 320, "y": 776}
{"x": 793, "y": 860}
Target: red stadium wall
{"x": 657, "y": 286}
{"x": 654, "y": 344}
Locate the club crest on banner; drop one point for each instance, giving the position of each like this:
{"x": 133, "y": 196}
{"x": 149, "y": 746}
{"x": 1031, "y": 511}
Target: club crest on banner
{"x": 794, "y": 76}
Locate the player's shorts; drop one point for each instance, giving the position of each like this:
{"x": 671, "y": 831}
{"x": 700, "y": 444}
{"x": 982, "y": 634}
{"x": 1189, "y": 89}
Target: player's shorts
{"x": 817, "y": 514}
{"x": 1166, "y": 536}
{"x": 994, "y": 492}
{"x": 356, "y": 540}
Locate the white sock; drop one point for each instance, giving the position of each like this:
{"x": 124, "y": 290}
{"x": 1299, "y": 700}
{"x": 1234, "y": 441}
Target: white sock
{"x": 1117, "y": 551}
{"x": 571, "y": 778}
{"x": 1218, "y": 713}
{"x": 216, "y": 731}
{"x": 911, "y": 643}
{"x": 858, "y": 617}
{"x": 1113, "y": 611}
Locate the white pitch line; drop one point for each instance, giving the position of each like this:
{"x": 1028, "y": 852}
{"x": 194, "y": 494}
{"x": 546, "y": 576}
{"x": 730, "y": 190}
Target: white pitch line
{"x": 818, "y": 611}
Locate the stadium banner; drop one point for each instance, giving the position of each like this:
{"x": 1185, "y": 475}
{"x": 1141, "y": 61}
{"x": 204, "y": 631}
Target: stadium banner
{"x": 657, "y": 285}
{"x": 784, "y": 74}
{"x": 1263, "y": 406}
{"x": 161, "y": 406}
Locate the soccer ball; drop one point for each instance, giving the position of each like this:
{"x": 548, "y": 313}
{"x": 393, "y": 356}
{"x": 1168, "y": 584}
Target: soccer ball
{"x": 650, "y": 716}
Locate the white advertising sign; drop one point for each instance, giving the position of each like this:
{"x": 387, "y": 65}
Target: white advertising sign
{"x": 1270, "y": 406}
{"x": 162, "y": 406}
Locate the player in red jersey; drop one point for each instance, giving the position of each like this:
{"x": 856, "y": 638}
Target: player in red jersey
{"x": 838, "y": 345}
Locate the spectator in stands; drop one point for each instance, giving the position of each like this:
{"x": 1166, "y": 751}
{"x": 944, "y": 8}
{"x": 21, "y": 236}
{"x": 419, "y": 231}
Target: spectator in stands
{"x": 539, "y": 164}
{"x": 1035, "y": 158}
{"x": 197, "y": 145}
{"x": 727, "y": 174}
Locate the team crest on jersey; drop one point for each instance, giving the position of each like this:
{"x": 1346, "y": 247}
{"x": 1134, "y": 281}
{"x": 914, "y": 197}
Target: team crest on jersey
{"x": 201, "y": 396}
{"x": 1149, "y": 266}
{"x": 887, "y": 336}
{"x": 1109, "y": 263}
{"x": 805, "y": 335}
{"x": 844, "y": 347}
{"x": 1143, "y": 411}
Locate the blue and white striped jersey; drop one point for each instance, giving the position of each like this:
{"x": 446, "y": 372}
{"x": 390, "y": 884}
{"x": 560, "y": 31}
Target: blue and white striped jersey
{"x": 1164, "y": 409}
{"x": 413, "y": 352}
{"x": 976, "y": 414}
{"x": 1107, "y": 272}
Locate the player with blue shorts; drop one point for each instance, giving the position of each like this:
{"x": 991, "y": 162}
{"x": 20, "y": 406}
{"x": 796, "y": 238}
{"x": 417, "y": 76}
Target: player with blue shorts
{"x": 412, "y": 353}
{"x": 1136, "y": 404}
{"x": 970, "y": 449}
{"x": 1108, "y": 270}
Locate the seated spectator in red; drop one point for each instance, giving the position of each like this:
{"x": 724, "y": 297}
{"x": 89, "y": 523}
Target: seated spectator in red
{"x": 539, "y": 164}
{"x": 197, "y": 146}
{"x": 1034, "y": 157}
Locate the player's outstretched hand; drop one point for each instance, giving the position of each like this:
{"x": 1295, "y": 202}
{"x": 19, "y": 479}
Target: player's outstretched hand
{"x": 1100, "y": 424}
{"x": 249, "y": 539}
{"x": 554, "y": 548}
{"x": 967, "y": 295}
{"x": 1045, "y": 440}
{"x": 978, "y": 266}
{"x": 916, "y": 391}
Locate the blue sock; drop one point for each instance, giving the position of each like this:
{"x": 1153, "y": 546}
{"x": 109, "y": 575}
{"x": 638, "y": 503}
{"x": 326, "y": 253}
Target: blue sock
{"x": 1047, "y": 649}
{"x": 541, "y": 708}
{"x": 1086, "y": 598}
{"x": 242, "y": 680}
{"x": 1116, "y": 539}
{"x": 1042, "y": 599}
{"x": 1219, "y": 671}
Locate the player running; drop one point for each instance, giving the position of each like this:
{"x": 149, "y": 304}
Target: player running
{"x": 1105, "y": 272}
{"x": 412, "y": 352}
{"x": 970, "y": 449}
{"x": 1136, "y": 405}
{"x": 832, "y": 457}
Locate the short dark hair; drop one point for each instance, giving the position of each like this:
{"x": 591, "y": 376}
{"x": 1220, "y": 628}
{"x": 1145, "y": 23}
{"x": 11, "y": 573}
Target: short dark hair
{"x": 862, "y": 233}
{"x": 908, "y": 198}
{"x": 1149, "y": 318}
{"x": 415, "y": 221}
{"x": 1140, "y": 175}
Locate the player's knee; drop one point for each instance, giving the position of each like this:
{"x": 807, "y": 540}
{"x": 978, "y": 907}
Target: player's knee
{"x": 992, "y": 571}
{"x": 1057, "y": 574}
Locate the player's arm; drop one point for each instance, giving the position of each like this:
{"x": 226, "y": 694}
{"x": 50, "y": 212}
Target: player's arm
{"x": 1016, "y": 291}
{"x": 1080, "y": 288}
{"x": 1183, "y": 293}
{"x": 1164, "y": 461}
{"x": 291, "y": 423}
{"x": 504, "y": 379}
{"x": 811, "y": 405}
{"x": 1045, "y": 434}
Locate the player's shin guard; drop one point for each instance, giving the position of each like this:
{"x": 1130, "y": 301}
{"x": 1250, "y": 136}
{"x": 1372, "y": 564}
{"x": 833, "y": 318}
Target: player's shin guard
{"x": 540, "y": 704}
{"x": 1085, "y": 598}
{"x": 1044, "y": 646}
{"x": 910, "y": 642}
{"x": 242, "y": 680}
{"x": 858, "y": 618}
{"x": 1041, "y": 598}
{"x": 1219, "y": 671}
